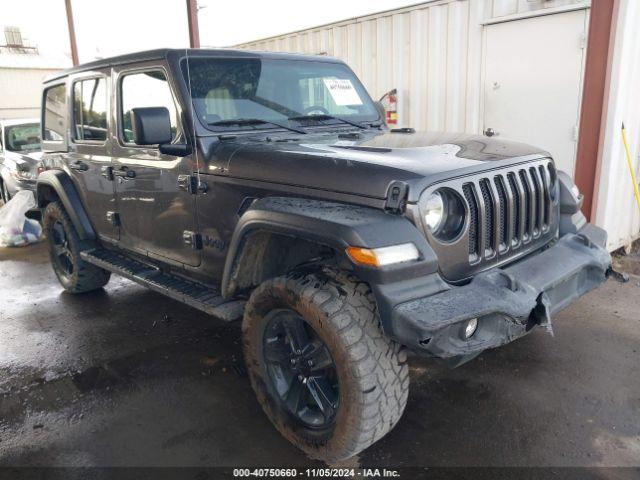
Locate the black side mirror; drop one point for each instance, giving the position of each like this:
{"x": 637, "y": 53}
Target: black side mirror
{"x": 151, "y": 125}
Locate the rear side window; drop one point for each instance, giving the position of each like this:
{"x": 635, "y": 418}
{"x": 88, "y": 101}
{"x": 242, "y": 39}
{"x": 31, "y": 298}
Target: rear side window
{"x": 146, "y": 89}
{"x": 90, "y": 110}
{"x": 55, "y": 102}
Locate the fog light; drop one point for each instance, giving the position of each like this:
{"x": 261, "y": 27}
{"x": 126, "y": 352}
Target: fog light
{"x": 470, "y": 328}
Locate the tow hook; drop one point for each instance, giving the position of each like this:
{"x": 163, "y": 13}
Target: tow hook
{"x": 617, "y": 276}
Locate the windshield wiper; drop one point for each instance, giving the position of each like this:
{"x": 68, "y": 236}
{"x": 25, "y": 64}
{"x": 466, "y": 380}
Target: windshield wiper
{"x": 326, "y": 116}
{"x": 253, "y": 121}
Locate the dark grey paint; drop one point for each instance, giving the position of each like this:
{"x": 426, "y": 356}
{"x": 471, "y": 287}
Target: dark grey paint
{"x": 241, "y": 167}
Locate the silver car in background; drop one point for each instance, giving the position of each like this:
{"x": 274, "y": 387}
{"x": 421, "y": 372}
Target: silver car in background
{"x": 20, "y": 156}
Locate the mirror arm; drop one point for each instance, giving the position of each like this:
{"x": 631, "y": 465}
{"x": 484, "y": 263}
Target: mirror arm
{"x": 176, "y": 149}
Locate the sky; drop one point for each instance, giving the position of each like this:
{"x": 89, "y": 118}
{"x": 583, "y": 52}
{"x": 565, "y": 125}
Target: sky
{"x": 133, "y": 25}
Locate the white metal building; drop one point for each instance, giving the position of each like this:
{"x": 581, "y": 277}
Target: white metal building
{"x": 22, "y": 70}
{"x": 514, "y": 66}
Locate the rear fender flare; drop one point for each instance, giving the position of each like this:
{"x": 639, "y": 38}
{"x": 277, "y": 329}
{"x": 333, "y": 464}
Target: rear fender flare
{"x": 60, "y": 182}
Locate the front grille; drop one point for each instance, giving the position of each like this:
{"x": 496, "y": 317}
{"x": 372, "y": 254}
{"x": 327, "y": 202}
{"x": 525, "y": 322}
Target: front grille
{"x": 508, "y": 210}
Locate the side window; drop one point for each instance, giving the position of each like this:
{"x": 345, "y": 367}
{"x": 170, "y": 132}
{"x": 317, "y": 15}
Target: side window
{"x": 54, "y": 112}
{"x": 147, "y": 89}
{"x": 90, "y": 110}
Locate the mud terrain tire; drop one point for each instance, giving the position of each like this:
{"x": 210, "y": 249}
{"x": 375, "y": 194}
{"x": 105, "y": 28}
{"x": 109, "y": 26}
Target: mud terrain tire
{"x": 372, "y": 370}
{"x": 74, "y": 274}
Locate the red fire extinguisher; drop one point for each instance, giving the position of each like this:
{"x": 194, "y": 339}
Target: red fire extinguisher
{"x": 390, "y": 102}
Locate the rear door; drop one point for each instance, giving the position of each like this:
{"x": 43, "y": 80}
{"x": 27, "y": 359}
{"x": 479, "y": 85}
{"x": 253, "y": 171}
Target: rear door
{"x": 89, "y": 150}
{"x": 157, "y": 216}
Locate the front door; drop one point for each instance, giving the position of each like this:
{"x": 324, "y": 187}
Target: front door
{"x": 156, "y": 215}
{"x": 532, "y": 83}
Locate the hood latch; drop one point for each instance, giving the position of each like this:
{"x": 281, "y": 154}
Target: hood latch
{"x": 396, "y": 197}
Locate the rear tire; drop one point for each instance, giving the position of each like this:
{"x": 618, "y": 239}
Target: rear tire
{"x": 74, "y": 274}
{"x": 372, "y": 382}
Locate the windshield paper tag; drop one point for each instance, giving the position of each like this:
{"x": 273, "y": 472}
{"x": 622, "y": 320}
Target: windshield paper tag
{"x": 342, "y": 91}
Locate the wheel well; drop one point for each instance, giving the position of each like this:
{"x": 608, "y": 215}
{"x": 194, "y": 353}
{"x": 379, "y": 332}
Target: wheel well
{"x": 46, "y": 194}
{"x": 266, "y": 255}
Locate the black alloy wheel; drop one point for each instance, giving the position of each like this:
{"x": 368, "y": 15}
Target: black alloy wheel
{"x": 61, "y": 250}
{"x": 300, "y": 369}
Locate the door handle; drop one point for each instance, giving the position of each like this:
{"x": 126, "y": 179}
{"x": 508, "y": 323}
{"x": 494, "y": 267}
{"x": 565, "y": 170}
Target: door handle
{"x": 81, "y": 166}
{"x": 124, "y": 173}
{"x": 107, "y": 172}
{"x": 490, "y": 132}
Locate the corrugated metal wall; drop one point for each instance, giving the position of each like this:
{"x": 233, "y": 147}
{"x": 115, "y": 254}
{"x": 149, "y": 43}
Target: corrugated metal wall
{"x": 423, "y": 51}
{"x": 431, "y": 52}
{"x": 616, "y": 209}
{"x": 502, "y": 8}
{"x": 20, "y": 91}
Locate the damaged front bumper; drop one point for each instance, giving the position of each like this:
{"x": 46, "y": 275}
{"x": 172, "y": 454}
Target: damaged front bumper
{"x": 508, "y": 302}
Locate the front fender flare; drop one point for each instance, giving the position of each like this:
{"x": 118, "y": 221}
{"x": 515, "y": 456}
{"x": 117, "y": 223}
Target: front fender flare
{"x": 335, "y": 225}
{"x": 60, "y": 182}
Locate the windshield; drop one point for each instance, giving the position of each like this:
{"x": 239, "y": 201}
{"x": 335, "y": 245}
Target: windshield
{"x": 22, "y": 138}
{"x": 227, "y": 89}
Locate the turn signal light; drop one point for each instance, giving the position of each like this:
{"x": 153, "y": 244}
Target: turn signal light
{"x": 380, "y": 257}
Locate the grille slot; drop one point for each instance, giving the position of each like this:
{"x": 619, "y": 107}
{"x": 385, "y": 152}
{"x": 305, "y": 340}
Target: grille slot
{"x": 547, "y": 196}
{"x": 504, "y": 219}
{"x": 469, "y": 194}
{"x": 489, "y": 227}
{"x": 517, "y": 208}
{"x": 528, "y": 206}
{"x": 538, "y": 200}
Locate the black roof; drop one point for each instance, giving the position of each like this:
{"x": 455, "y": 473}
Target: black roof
{"x": 162, "y": 53}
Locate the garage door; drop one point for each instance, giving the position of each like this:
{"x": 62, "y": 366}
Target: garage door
{"x": 532, "y": 82}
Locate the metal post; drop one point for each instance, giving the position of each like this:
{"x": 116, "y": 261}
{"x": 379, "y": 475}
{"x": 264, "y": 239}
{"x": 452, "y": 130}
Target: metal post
{"x": 601, "y": 26}
{"x": 72, "y": 33}
{"x": 192, "y": 17}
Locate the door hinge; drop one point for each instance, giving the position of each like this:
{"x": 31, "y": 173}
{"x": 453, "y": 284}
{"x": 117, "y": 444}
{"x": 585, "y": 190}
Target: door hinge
{"x": 191, "y": 184}
{"x": 193, "y": 239}
{"x": 113, "y": 218}
{"x": 583, "y": 41}
{"x": 396, "y": 197}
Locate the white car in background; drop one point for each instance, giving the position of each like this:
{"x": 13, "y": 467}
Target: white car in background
{"x": 20, "y": 154}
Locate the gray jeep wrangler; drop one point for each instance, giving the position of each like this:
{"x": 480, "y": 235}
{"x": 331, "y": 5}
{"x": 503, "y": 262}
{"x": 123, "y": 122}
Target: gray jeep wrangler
{"x": 267, "y": 187}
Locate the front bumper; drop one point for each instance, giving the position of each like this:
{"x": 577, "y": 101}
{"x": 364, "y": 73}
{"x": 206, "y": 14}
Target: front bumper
{"x": 508, "y": 302}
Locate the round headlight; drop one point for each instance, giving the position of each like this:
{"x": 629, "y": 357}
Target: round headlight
{"x": 443, "y": 213}
{"x": 434, "y": 211}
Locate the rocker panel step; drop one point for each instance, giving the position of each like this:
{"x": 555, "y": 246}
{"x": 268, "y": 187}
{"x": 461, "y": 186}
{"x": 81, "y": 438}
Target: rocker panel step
{"x": 194, "y": 294}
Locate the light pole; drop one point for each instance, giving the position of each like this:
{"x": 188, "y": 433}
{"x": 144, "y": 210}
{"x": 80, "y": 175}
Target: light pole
{"x": 72, "y": 33}
{"x": 192, "y": 18}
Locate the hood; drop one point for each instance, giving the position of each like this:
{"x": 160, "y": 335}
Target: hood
{"x": 367, "y": 163}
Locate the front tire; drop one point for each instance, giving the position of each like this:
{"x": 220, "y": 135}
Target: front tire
{"x": 361, "y": 390}
{"x": 74, "y": 274}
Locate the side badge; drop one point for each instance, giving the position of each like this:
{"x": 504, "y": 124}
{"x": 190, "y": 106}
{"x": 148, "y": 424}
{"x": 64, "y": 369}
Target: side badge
{"x": 214, "y": 242}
